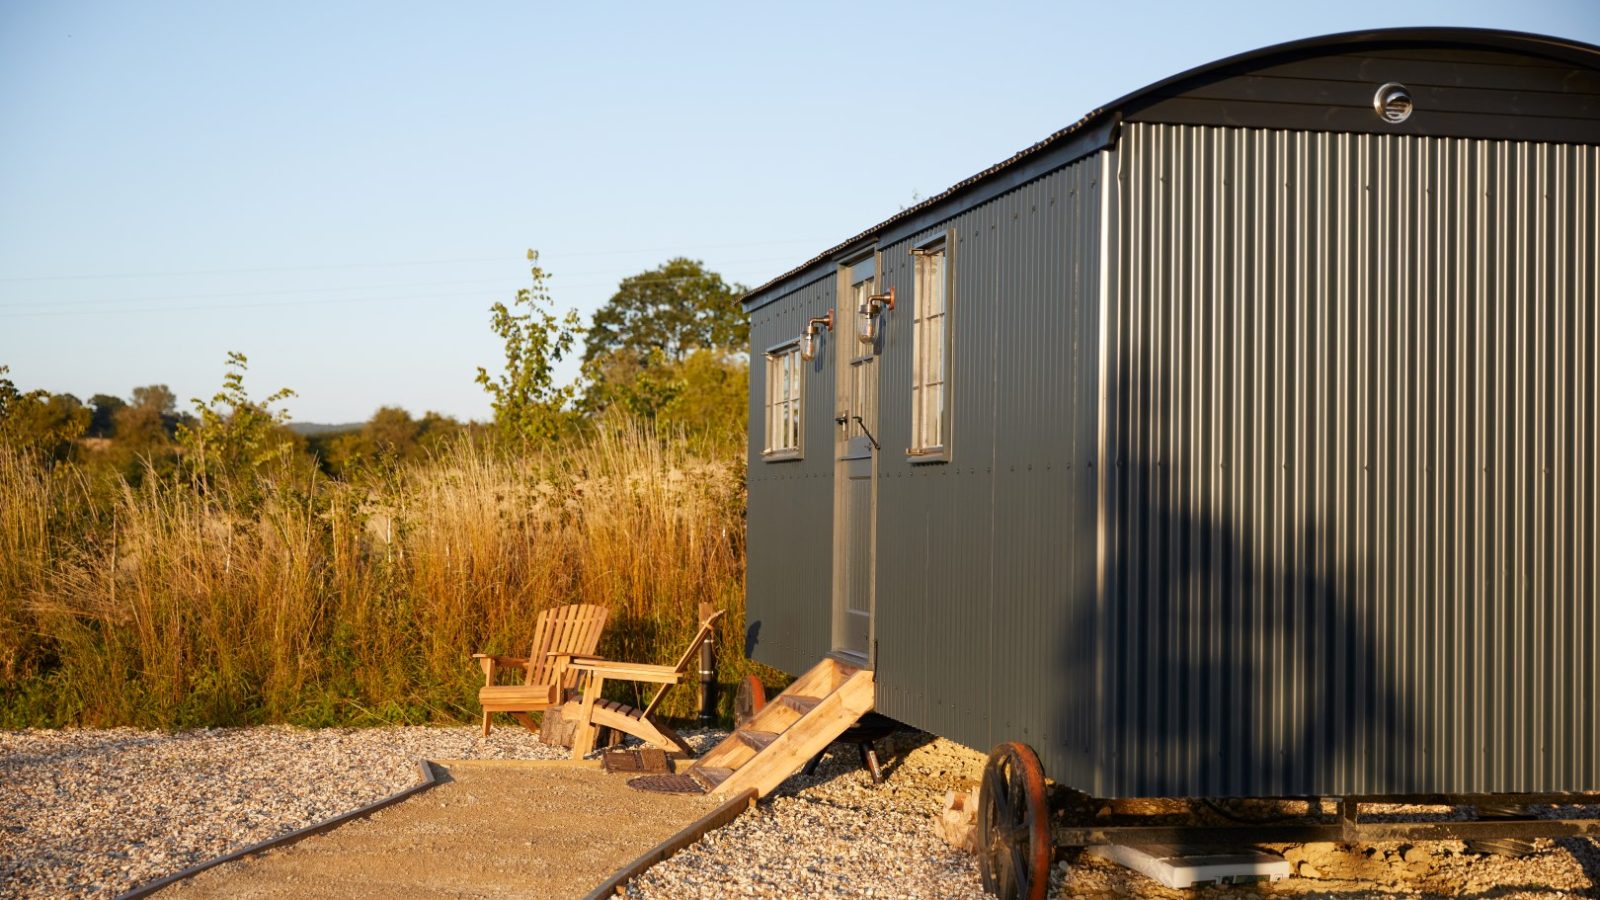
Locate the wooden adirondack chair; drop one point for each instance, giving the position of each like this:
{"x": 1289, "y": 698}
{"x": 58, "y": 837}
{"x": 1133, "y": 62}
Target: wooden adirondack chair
{"x": 562, "y": 635}
{"x": 641, "y": 723}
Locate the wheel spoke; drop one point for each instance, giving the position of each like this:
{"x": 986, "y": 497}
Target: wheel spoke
{"x": 1008, "y": 877}
{"x": 1018, "y": 792}
{"x": 1019, "y": 865}
{"x": 1000, "y": 791}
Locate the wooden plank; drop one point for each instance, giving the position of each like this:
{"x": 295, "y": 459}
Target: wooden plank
{"x": 634, "y": 671}
{"x": 757, "y": 739}
{"x": 627, "y": 720}
{"x": 1376, "y": 70}
{"x": 516, "y": 696}
{"x": 1429, "y": 98}
{"x": 711, "y": 776}
{"x": 1251, "y": 114}
{"x": 640, "y": 761}
{"x": 722, "y": 815}
{"x": 801, "y": 705}
{"x": 539, "y": 663}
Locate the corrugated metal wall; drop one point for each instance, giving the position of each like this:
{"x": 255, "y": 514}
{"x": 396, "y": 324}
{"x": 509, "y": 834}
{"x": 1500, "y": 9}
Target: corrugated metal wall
{"x": 1351, "y": 423}
{"x": 985, "y": 562}
{"x": 789, "y": 579}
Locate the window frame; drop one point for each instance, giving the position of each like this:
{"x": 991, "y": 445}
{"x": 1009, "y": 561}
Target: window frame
{"x": 796, "y": 398}
{"x": 940, "y": 245}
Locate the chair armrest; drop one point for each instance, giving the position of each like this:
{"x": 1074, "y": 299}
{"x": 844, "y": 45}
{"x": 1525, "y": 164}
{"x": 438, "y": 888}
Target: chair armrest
{"x": 630, "y": 671}
{"x": 512, "y": 661}
{"x": 574, "y": 657}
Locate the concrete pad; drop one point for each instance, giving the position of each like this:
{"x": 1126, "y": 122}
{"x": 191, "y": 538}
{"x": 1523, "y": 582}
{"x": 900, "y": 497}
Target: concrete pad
{"x": 1178, "y": 868}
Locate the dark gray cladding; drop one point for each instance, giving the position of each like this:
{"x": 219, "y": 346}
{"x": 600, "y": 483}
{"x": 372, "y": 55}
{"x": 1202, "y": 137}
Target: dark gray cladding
{"x": 1351, "y": 517}
{"x": 986, "y": 562}
{"x": 1273, "y": 452}
{"x": 790, "y": 529}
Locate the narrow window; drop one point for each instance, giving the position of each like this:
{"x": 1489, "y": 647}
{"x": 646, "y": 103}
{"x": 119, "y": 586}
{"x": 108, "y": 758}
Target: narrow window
{"x": 930, "y": 346}
{"x": 784, "y": 371}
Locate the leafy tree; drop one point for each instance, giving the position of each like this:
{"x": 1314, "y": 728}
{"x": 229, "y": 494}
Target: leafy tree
{"x": 706, "y": 394}
{"x": 675, "y": 308}
{"x": 102, "y": 420}
{"x": 233, "y": 435}
{"x": 391, "y": 435}
{"x": 151, "y": 419}
{"x": 640, "y": 384}
{"x": 38, "y": 422}
{"x": 713, "y": 398}
{"x": 529, "y": 407}
{"x": 392, "y": 431}
{"x": 666, "y": 347}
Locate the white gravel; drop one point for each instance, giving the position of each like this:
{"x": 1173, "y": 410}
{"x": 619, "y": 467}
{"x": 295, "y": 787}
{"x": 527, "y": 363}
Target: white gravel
{"x": 95, "y": 813}
{"x": 837, "y": 835}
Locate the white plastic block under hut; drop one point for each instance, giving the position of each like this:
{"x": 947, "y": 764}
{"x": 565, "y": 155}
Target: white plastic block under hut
{"x": 1178, "y": 868}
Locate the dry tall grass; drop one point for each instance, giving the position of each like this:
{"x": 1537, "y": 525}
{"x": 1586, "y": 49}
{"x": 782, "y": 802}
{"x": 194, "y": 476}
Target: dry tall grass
{"x": 331, "y": 602}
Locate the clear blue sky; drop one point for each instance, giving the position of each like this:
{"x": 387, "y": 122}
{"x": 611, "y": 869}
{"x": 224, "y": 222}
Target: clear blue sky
{"x": 341, "y": 190}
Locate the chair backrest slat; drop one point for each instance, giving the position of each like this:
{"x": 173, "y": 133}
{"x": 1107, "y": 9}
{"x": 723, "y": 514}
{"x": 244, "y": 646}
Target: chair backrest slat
{"x": 574, "y": 629}
{"x": 700, "y": 637}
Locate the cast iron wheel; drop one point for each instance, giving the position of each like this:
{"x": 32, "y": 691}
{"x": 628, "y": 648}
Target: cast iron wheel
{"x": 749, "y": 700}
{"x": 1014, "y": 824}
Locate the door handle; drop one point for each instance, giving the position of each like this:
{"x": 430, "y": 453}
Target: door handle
{"x": 864, "y": 431}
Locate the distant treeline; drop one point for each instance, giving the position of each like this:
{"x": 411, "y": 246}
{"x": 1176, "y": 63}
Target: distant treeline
{"x": 668, "y": 348}
{"x": 144, "y": 433}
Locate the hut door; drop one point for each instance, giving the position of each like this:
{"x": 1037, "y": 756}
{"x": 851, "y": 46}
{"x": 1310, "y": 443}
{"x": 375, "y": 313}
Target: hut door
{"x": 856, "y": 467}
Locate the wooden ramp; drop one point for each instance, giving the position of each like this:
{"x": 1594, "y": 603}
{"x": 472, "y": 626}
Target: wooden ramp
{"x": 795, "y": 726}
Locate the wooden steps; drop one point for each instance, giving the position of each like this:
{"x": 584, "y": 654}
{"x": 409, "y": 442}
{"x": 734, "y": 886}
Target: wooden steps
{"x": 797, "y": 725}
{"x": 710, "y": 776}
{"x": 758, "y": 740}
{"x": 801, "y": 705}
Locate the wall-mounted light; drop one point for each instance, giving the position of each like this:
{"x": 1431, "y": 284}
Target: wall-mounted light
{"x": 808, "y": 340}
{"x": 867, "y": 316}
{"x": 1392, "y": 103}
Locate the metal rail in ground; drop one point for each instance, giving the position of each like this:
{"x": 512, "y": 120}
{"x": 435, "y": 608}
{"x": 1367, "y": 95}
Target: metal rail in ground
{"x": 729, "y": 810}
{"x": 427, "y": 778}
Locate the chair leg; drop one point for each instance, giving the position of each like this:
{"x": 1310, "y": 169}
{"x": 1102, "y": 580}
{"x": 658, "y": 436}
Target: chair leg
{"x": 486, "y": 715}
{"x": 583, "y": 736}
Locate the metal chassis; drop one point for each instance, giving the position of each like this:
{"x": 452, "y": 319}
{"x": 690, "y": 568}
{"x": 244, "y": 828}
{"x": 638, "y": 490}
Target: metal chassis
{"x": 1348, "y": 827}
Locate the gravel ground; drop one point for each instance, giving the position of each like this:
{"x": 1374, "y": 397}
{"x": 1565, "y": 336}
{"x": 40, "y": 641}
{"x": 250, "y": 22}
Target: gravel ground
{"x": 492, "y": 829}
{"x": 92, "y": 813}
{"x": 836, "y": 835}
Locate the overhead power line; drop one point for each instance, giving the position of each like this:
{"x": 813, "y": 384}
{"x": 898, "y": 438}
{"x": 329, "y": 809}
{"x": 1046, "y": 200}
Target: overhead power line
{"x": 124, "y": 311}
{"x": 108, "y": 304}
{"x": 330, "y": 301}
{"x": 555, "y": 254}
{"x": 272, "y": 293}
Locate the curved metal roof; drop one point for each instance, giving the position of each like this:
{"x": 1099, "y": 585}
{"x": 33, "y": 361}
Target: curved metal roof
{"x": 1556, "y": 49}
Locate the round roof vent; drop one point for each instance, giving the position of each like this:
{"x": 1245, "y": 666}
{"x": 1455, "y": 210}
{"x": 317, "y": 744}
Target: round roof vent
{"x": 1392, "y": 103}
